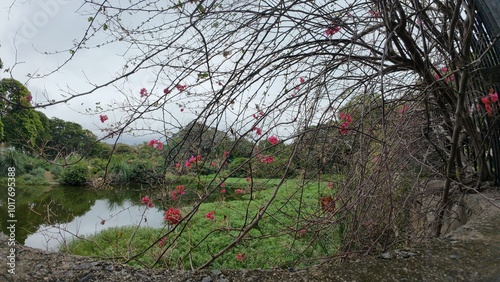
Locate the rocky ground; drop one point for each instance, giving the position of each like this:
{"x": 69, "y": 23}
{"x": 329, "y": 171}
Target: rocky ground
{"x": 470, "y": 253}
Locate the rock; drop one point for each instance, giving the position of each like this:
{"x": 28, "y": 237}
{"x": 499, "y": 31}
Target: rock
{"x": 206, "y": 279}
{"x": 386, "y": 256}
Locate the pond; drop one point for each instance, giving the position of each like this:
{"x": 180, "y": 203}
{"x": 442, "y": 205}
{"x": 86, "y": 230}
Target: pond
{"x": 50, "y": 215}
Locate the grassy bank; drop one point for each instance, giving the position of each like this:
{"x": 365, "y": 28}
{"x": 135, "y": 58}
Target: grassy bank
{"x": 287, "y": 232}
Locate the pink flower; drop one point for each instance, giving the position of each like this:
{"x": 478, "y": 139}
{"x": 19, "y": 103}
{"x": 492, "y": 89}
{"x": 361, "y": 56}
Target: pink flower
{"x": 156, "y": 144}
{"x": 173, "y": 216}
{"x": 273, "y": 139}
{"x": 188, "y": 164}
{"x": 173, "y": 195}
{"x": 178, "y": 165}
{"x": 223, "y": 191}
{"x": 267, "y": 159}
{"x": 240, "y": 257}
{"x": 103, "y": 118}
{"x": 332, "y": 30}
{"x": 302, "y": 80}
{"x": 192, "y": 159}
{"x": 180, "y": 189}
{"x": 238, "y": 191}
{"x": 248, "y": 179}
{"x": 210, "y": 215}
{"x": 162, "y": 242}
{"x": 147, "y": 201}
{"x": 489, "y": 109}
{"x": 144, "y": 92}
{"x": 181, "y": 87}
{"x": 374, "y": 14}
{"x": 29, "y": 98}
{"x": 343, "y": 129}
{"x": 212, "y": 164}
{"x": 258, "y": 130}
{"x": 255, "y": 116}
{"x": 485, "y": 100}
{"x": 346, "y": 117}
{"x": 223, "y": 184}
{"x": 493, "y": 96}
{"x": 225, "y": 154}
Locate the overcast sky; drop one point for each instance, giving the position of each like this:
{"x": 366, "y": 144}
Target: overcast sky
{"x": 35, "y": 38}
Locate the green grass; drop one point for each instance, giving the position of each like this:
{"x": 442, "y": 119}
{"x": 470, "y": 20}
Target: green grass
{"x": 274, "y": 242}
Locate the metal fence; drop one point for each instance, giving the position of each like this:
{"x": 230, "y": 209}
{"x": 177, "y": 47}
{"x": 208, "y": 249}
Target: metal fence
{"x": 486, "y": 33}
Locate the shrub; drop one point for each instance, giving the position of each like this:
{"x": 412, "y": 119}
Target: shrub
{"x": 76, "y": 175}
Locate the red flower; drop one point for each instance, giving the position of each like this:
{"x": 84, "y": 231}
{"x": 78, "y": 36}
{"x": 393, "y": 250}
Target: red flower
{"x": 29, "y": 98}
{"x": 178, "y": 165}
{"x": 162, "y": 242}
{"x": 485, "y": 100}
{"x": 332, "y": 30}
{"x": 181, "y": 87}
{"x": 346, "y": 117}
{"x": 302, "y": 80}
{"x": 144, "y": 92}
{"x": 173, "y": 216}
{"x": 188, "y": 164}
{"x": 192, "y": 159}
{"x": 248, "y": 179}
{"x": 267, "y": 159}
{"x": 103, "y": 118}
{"x": 240, "y": 257}
{"x": 180, "y": 189}
{"x": 156, "y": 144}
{"x": 344, "y": 128}
{"x": 258, "y": 130}
{"x": 166, "y": 91}
{"x": 210, "y": 215}
{"x": 488, "y": 109}
{"x": 103, "y": 222}
{"x": 223, "y": 191}
{"x": 273, "y": 139}
{"x": 212, "y": 164}
{"x": 238, "y": 191}
{"x": 147, "y": 201}
{"x": 493, "y": 96}
{"x": 225, "y": 154}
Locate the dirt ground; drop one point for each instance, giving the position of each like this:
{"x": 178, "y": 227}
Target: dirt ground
{"x": 469, "y": 253}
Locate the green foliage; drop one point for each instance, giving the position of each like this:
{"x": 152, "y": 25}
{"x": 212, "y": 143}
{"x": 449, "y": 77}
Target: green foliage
{"x": 120, "y": 171}
{"x": 238, "y": 168}
{"x": 203, "y": 237}
{"x": 20, "y": 126}
{"x": 76, "y": 175}
{"x": 12, "y": 158}
{"x": 145, "y": 172}
{"x": 68, "y": 137}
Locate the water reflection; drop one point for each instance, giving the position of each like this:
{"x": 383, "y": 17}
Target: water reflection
{"x": 48, "y": 217}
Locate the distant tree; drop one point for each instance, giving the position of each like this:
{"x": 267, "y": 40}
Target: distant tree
{"x": 68, "y": 137}
{"x": 20, "y": 123}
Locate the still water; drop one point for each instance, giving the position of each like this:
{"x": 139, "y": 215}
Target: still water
{"x": 49, "y": 216}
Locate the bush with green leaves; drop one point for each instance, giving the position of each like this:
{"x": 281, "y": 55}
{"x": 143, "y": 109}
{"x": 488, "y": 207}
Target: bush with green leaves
{"x": 76, "y": 175}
